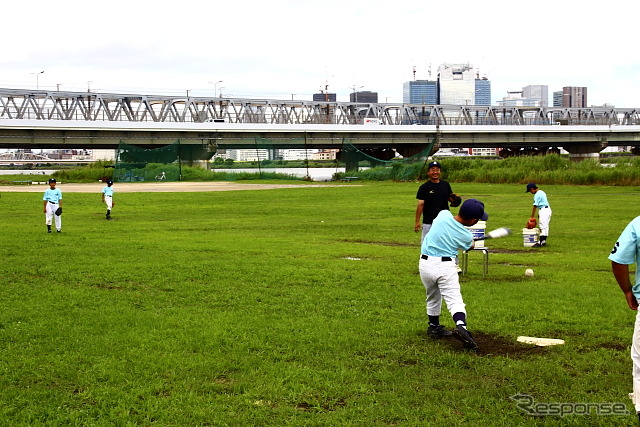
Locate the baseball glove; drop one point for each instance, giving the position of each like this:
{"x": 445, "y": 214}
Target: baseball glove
{"x": 532, "y": 223}
{"x": 455, "y": 200}
{"x": 59, "y": 211}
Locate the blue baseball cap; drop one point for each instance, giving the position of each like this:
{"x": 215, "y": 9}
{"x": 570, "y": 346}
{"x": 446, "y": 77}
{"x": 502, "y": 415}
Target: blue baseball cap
{"x": 530, "y": 186}
{"x": 434, "y": 164}
{"x": 52, "y": 180}
{"x": 473, "y": 209}
{"x": 109, "y": 182}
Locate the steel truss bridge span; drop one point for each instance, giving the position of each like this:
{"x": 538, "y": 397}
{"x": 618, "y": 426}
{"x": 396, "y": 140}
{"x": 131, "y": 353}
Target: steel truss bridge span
{"x": 24, "y": 104}
{"x": 580, "y": 141}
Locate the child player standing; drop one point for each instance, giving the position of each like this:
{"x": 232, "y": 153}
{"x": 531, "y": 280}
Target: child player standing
{"x": 438, "y": 270}
{"x": 541, "y": 203}
{"x": 52, "y": 201}
{"x": 107, "y": 197}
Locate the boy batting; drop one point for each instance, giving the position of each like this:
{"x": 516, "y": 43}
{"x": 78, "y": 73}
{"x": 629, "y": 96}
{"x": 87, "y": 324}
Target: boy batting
{"x": 438, "y": 270}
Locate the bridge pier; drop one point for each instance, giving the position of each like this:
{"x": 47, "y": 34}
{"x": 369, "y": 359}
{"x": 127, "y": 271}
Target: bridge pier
{"x": 412, "y": 150}
{"x": 583, "y": 151}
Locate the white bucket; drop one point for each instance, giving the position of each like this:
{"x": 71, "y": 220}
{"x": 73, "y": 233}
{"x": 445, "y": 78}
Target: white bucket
{"x": 478, "y": 230}
{"x": 530, "y": 237}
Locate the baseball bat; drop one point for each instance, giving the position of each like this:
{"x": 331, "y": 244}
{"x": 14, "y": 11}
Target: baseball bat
{"x": 494, "y": 234}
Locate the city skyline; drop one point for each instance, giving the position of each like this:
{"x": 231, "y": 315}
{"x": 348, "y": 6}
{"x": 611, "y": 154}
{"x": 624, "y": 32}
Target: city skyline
{"x": 289, "y": 50}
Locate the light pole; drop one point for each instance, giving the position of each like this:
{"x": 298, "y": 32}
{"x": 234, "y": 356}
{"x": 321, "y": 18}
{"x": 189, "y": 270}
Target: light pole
{"x": 89, "y": 85}
{"x": 356, "y": 113}
{"x": 292, "y": 95}
{"x": 355, "y": 92}
{"x": 38, "y": 79}
{"x": 215, "y": 87}
{"x": 221, "y": 91}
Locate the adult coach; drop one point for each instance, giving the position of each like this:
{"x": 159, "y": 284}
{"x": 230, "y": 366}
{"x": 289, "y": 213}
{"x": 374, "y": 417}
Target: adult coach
{"x": 541, "y": 203}
{"x": 433, "y": 196}
{"x": 626, "y": 251}
{"x": 52, "y": 202}
{"x": 107, "y": 197}
{"x": 438, "y": 270}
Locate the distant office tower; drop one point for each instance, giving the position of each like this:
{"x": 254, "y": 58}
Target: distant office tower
{"x": 516, "y": 99}
{"x": 456, "y": 84}
{"x": 574, "y": 97}
{"x": 420, "y": 92}
{"x": 364, "y": 96}
{"x": 537, "y": 92}
{"x": 324, "y": 96}
{"x": 483, "y": 91}
{"x": 557, "y": 98}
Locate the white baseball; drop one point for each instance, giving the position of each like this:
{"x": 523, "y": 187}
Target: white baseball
{"x": 528, "y": 272}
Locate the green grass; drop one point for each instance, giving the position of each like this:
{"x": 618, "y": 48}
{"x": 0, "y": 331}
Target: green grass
{"x": 242, "y": 308}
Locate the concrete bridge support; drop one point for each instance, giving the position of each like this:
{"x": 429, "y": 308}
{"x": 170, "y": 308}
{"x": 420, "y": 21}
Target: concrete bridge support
{"x": 412, "y": 150}
{"x": 583, "y": 151}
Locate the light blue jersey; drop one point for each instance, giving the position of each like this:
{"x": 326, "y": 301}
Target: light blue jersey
{"x": 627, "y": 250}
{"x": 540, "y": 200}
{"x": 446, "y": 237}
{"x": 107, "y": 191}
{"x": 53, "y": 196}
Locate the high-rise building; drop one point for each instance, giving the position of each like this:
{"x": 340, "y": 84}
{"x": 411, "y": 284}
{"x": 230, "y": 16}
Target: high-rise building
{"x": 364, "y": 96}
{"x": 457, "y": 84}
{"x": 420, "y": 92}
{"x": 483, "y": 92}
{"x": 574, "y": 97}
{"x": 537, "y": 92}
{"x": 517, "y": 99}
{"x": 557, "y": 98}
{"x": 324, "y": 96}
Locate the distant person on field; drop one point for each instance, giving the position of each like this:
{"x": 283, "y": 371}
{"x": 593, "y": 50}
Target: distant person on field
{"x": 626, "y": 251}
{"x": 540, "y": 203}
{"x": 438, "y": 270}
{"x": 107, "y": 197}
{"x": 52, "y": 201}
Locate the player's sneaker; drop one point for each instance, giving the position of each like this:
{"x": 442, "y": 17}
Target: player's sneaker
{"x": 438, "y": 331}
{"x": 463, "y": 335}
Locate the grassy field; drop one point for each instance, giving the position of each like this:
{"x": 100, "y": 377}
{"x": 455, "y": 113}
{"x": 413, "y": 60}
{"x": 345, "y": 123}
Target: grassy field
{"x": 303, "y": 307}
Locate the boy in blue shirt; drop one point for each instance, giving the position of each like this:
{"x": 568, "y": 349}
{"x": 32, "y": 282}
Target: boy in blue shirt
{"x": 107, "y": 197}
{"x": 52, "y": 201}
{"x": 626, "y": 251}
{"x": 540, "y": 203}
{"x": 438, "y": 270}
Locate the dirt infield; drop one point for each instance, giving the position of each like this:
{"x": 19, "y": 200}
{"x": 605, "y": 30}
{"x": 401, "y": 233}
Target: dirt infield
{"x": 158, "y": 187}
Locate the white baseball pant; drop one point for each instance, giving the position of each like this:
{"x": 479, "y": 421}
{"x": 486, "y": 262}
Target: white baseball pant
{"x": 109, "y": 201}
{"x": 544, "y": 216}
{"x": 425, "y": 230}
{"x": 635, "y": 357}
{"x": 440, "y": 279}
{"x": 50, "y": 214}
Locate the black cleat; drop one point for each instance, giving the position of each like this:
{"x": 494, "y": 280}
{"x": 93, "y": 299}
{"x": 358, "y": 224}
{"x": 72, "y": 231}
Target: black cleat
{"x": 58, "y": 231}
{"x": 438, "y": 332}
{"x": 465, "y": 337}
{"x": 537, "y": 245}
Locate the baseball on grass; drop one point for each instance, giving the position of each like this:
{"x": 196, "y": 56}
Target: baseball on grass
{"x": 528, "y": 272}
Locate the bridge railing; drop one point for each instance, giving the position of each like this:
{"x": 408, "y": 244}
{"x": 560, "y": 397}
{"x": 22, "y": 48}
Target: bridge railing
{"x": 45, "y": 105}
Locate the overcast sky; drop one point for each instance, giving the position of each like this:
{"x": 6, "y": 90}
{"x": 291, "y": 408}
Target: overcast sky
{"x": 292, "y": 48}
